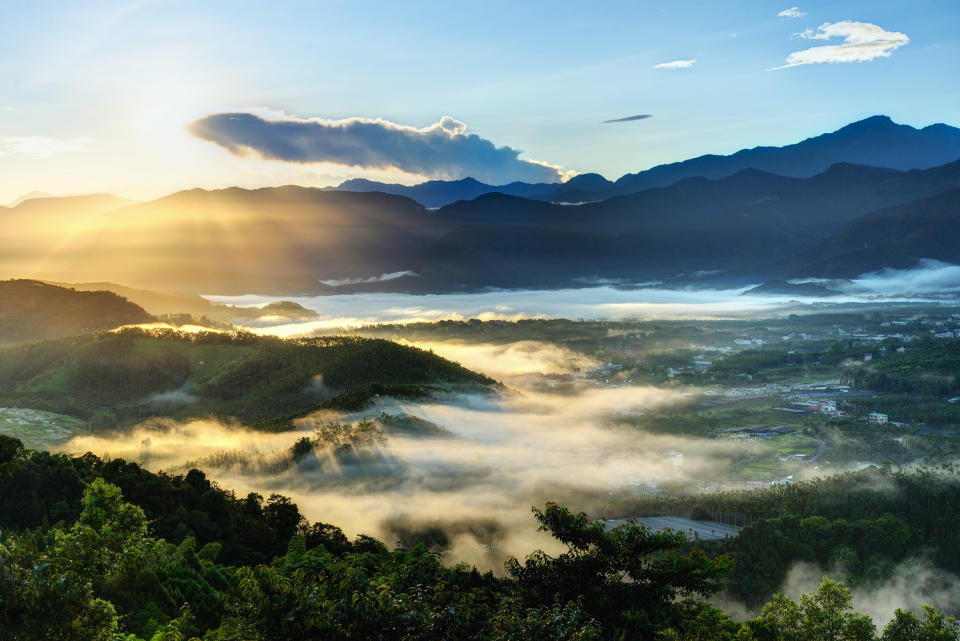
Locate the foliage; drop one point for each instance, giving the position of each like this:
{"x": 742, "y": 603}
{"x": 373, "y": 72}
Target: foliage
{"x": 104, "y": 575}
{"x": 863, "y": 523}
{"x": 931, "y": 371}
{"x": 110, "y": 378}
{"x": 627, "y": 578}
{"x": 822, "y": 616}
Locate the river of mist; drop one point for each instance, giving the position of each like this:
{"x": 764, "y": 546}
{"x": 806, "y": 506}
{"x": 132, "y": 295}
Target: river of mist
{"x": 491, "y": 456}
{"x": 930, "y": 281}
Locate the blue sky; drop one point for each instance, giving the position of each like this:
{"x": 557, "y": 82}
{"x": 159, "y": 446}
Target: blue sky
{"x": 96, "y": 96}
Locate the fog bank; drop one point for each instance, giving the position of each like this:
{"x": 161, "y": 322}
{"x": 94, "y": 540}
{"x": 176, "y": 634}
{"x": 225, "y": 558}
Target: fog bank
{"x": 925, "y": 283}
{"x": 497, "y": 456}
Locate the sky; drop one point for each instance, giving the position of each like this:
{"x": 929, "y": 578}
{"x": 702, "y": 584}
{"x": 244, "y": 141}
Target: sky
{"x": 146, "y": 97}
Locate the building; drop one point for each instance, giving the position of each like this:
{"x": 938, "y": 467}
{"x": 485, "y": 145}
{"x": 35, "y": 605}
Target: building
{"x": 758, "y": 431}
{"x": 877, "y": 418}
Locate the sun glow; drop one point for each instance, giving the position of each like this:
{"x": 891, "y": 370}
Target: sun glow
{"x": 162, "y": 111}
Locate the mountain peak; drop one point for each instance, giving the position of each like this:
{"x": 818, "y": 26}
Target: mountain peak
{"x": 873, "y": 123}
{"x": 588, "y": 182}
{"x": 32, "y": 195}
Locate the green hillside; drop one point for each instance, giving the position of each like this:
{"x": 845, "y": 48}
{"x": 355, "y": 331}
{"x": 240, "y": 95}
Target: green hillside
{"x": 119, "y": 378}
{"x": 31, "y": 310}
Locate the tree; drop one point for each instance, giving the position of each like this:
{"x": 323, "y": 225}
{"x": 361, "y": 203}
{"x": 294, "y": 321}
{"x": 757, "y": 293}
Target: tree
{"x": 50, "y": 594}
{"x": 821, "y": 616}
{"x": 906, "y": 626}
{"x": 628, "y": 579}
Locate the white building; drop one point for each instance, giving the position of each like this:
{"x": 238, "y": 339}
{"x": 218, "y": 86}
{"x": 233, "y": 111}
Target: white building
{"x": 877, "y": 418}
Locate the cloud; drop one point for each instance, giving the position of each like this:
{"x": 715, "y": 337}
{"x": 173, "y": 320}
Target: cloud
{"x": 792, "y": 12}
{"x": 927, "y": 277}
{"x": 862, "y": 42}
{"x": 629, "y": 118}
{"x": 441, "y": 150}
{"x": 498, "y": 455}
{"x": 507, "y": 360}
{"x": 337, "y": 282}
{"x": 41, "y": 147}
{"x": 910, "y": 585}
{"x": 354, "y": 310}
{"x": 675, "y": 64}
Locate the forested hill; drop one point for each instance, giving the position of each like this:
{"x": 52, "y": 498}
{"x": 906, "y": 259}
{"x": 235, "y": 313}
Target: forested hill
{"x": 133, "y": 555}
{"x": 113, "y": 378}
{"x": 861, "y": 526}
{"x": 31, "y": 310}
{"x": 893, "y": 237}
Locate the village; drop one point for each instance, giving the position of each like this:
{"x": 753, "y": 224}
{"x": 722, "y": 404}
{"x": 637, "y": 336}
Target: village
{"x": 783, "y": 404}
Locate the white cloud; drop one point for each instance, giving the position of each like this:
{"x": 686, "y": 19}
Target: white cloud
{"x": 41, "y": 146}
{"x": 926, "y": 277}
{"x": 862, "y": 42}
{"x": 441, "y": 150}
{"x": 675, "y": 64}
{"x": 792, "y": 12}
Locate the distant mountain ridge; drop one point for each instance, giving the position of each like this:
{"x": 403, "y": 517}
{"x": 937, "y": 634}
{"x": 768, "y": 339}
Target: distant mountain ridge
{"x": 743, "y": 227}
{"x": 752, "y": 225}
{"x": 85, "y": 203}
{"x": 748, "y": 226}
{"x": 436, "y": 193}
{"x": 29, "y": 196}
{"x": 876, "y": 141}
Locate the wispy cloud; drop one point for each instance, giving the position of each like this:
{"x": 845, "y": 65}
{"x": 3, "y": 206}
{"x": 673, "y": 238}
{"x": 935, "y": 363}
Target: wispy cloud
{"x": 629, "y": 118}
{"x": 675, "y": 64}
{"x": 441, "y": 150}
{"x": 862, "y": 42}
{"x": 40, "y": 146}
{"x": 792, "y": 12}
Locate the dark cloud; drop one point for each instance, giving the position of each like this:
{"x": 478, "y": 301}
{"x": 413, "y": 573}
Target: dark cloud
{"x": 441, "y": 150}
{"x": 629, "y": 118}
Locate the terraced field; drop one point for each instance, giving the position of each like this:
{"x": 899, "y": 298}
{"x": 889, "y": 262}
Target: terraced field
{"x": 39, "y": 429}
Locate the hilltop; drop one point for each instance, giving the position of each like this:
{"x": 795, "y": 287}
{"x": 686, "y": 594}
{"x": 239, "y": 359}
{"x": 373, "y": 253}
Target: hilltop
{"x": 120, "y": 378}
{"x": 31, "y": 310}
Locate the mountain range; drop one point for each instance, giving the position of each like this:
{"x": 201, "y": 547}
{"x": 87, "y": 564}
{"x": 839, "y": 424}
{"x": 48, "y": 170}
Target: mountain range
{"x": 870, "y": 195}
{"x": 876, "y": 141}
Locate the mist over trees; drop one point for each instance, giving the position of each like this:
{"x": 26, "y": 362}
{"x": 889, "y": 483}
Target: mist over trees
{"x": 101, "y": 550}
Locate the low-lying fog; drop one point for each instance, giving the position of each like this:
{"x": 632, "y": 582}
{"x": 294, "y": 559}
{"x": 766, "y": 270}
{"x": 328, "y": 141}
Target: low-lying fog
{"x": 350, "y": 310}
{"x": 930, "y": 280}
{"x": 466, "y": 468}
{"x": 463, "y": 470}
{"x": 472, "y": 465}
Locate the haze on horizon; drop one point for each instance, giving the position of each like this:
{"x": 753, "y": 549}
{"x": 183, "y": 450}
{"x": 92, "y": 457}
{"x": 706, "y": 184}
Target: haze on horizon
{"x": 145, "y": 98}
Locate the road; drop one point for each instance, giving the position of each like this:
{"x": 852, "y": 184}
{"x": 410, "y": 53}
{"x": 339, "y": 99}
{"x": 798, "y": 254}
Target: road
{"x": 821, "y": 448}
{"x": 706, "y": 530}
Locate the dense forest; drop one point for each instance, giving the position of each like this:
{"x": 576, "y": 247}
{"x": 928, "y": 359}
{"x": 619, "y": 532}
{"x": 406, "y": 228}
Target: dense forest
{"x": 862, "y": 524}
{"x": 31, "y": 310}
{"x": 930, "y": 371}
{"x": 105, "y": 550}
{"x": 108, "y": 378}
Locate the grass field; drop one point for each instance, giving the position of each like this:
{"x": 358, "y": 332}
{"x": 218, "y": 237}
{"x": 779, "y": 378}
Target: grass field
{"x": 760, "y": 460}
{"x": 38, "y": 429}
